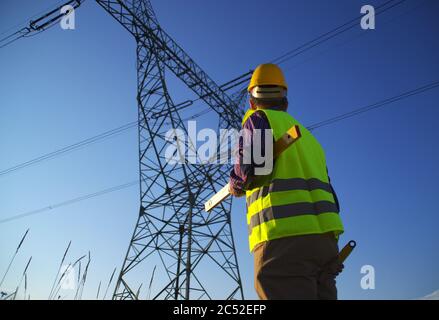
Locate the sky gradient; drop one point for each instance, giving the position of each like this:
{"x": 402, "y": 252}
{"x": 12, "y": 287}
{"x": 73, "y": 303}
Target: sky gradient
{"x": 60, "y": 87}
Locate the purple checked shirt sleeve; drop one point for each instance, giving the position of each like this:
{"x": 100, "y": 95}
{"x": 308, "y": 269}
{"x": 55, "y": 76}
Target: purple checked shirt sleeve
{"x": 242, "y": 173}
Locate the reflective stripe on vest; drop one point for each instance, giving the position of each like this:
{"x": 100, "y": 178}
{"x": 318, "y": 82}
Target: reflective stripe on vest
{"x": 287, "y": 185}
{"x": 290, "y": 210}
{"x": 298, "y": 199}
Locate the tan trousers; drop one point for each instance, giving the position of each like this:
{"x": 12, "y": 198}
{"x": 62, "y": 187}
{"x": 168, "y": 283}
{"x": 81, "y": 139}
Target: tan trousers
{"x": 297, "y": 267}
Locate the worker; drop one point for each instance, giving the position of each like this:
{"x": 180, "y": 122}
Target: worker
{"x": 293, "y": 212}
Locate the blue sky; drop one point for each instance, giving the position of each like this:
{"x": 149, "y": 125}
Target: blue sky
{"x": 60, "y": 87}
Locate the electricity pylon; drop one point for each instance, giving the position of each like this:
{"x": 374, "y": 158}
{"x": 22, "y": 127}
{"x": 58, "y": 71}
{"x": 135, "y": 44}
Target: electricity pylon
{"x": 178, "y": 249}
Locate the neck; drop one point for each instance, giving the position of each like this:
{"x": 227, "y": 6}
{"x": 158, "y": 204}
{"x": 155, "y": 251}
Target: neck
{"x": 277, "y": 108}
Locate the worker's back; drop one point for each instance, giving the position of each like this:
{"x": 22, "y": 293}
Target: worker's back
{"x": 298, "y": 199}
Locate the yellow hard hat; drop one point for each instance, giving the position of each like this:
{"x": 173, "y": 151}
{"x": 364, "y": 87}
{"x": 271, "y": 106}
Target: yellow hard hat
{"x": 267, "y": 74}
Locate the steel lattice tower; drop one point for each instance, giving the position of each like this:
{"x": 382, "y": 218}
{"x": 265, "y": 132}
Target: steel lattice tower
{"x": 174, "y": 239}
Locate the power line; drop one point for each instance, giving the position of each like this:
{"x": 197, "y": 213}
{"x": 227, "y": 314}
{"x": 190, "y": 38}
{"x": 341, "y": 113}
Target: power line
{"x": 194, "y": 116}
{"x": 71, "y": 147}
{"x": 375, "y": 105}
{"x": 104, "y": 135}
{"x": 331, "y": 34}
{"x": 30, "y": 18}
{"x": 328, "y": 35}
{"x": 19, "y": 34}
{"x": 71, "y": 201}
{"x": 34, "y": 29}
{"x": 358, "y": 35}
{"x": 311, "y": 127}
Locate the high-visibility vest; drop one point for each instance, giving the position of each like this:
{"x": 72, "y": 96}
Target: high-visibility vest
{"x": 297, "y": 199}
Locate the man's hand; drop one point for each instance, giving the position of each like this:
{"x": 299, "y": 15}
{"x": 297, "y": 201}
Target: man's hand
{"x": 339, "y": 269}
{"x": 236, "y": 193}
